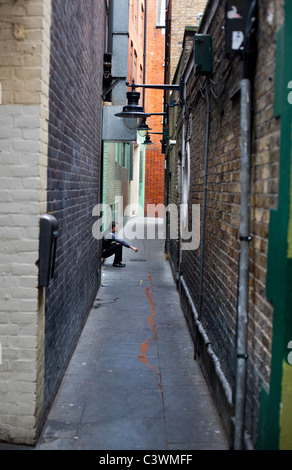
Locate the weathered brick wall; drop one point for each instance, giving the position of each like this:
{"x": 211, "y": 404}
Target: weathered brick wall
{"x": 183, "y": 13}
{"x": 77, "y": 46}
{"x": 154, "y": 162}
{"x": 154, "y": 178}
{"x": 19, "y": 253}
{"x": 220, "y": 266}
{"x": 24, "y": 76}
{"x": 175, "y": 164}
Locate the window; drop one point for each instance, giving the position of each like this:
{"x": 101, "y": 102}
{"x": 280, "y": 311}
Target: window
{"x": 116, "y": 153}
{"x": 142, "y": 26}
{"x": 120, "y": 152}
{"x": 136, "y": 14}
{"x": 135, "y": 65}
{"x": 131, "y": 61}
{"x": 130, "y": 161}
{"x": 124, "y": 155}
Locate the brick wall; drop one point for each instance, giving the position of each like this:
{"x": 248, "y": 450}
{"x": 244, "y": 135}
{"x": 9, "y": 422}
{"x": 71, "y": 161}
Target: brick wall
{"x": 154, "y": 163}
{"x": 218, "y": 311}
{"x": 76, "y": 72}
{"x": 50, "y": 162}
{"x": 183, "y": 13}
{"x": 24, "y": 75}
{"x": 117, "y": 174}
{"x": 19, "y": 253}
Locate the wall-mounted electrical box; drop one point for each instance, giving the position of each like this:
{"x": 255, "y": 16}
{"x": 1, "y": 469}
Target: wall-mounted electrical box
{"x": 203, "y": 54}
{"x": 47, "y": 248}
{"x": 236, "y": 16}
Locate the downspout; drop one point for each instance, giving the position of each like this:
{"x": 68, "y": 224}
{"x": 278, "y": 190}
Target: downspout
{"x": 144, "y": 52}
{"x": 183, "y": 161}
{"x": 183, "y": 158}
{"x": 242, "y": 313}
{"x": 245, "y": 238}
{"x": 204, "y": 196}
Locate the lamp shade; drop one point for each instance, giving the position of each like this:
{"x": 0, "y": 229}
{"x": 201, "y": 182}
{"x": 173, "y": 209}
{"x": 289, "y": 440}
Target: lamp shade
{"x": 132, "y": 111}
{"x": 143, "y": 128}
{"x": 147, "y": 140}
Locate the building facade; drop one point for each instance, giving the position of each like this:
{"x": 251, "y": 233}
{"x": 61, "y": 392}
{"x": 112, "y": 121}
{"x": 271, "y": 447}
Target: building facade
{"x": 231, "y": 160}
{"x": 123, "y": 154}
{"x": 180, "y": 14}
{"x": 154, "y": 103}
{"x": 51, "y": 75}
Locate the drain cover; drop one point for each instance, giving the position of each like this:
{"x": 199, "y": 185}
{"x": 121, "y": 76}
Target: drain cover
{"x": 139, "y": 259}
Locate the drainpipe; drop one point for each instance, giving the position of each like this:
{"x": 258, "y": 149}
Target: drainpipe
{"x": 202, "y": 241}
{"x": 183, "y": 161}
{"x": 245, "y": 238}
{"x": 144, "y": 52}
{"x": 242, "y": 314}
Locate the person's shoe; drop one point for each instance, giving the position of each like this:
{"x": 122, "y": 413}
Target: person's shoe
{"x": 119, "y": 265}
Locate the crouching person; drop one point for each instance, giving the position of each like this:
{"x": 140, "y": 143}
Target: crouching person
{"x": 114, "y": 246}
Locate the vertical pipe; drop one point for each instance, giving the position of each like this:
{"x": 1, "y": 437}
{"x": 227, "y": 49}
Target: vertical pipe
{"x": 183, "y": 159}
{"x": 144, "y": 51}
{"x": 204, "y": 197}
{"x": 241, "y": 353}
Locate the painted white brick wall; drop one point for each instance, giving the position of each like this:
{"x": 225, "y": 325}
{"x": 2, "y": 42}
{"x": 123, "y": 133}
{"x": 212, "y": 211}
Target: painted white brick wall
{"x": 19, "y": 243}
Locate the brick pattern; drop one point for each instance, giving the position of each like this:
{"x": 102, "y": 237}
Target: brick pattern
{"x": 19, "y": 239}
{"x": 117, "y": 178}
{"x": 24, "y": 76}
{"x": 73, "y": 175}
{"x": 154, "y": 163}
{"x": 220, "y": 280}
{"x": 183, "y": 13}
{"x": 136, "y": 40}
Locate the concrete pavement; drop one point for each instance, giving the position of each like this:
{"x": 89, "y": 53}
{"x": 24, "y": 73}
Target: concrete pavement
{"x": 132, "y": 383}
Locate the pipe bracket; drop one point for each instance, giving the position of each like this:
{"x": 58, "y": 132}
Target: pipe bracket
{"x": 242, "y": 356}
{"x": 246, "y": 239}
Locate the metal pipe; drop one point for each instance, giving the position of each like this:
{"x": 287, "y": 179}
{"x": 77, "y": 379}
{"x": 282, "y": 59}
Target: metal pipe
{"x": 156, "y": 87}
{"x": 144, "y": 52}
{"x": 183, "y": 158}
{"x": 245, "y": 238}
{"x": 204, "y": 197}
{"x": 242, "y": 314}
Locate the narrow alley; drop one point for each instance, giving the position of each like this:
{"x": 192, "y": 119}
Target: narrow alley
{"x": 131, "y": 111}
{"x": 133, "y": 383}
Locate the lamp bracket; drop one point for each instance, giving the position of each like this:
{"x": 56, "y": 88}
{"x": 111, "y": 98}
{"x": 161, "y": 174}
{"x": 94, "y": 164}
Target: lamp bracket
{"x": 176, "y": 87}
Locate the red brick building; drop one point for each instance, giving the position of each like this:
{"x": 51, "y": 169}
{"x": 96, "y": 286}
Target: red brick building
{"x": 177, "y": 14}
{"x": 155, "y": 44}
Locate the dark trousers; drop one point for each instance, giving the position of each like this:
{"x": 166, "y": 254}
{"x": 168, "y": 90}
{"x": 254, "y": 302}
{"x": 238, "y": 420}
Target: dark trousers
{"x": 114, "y": 249}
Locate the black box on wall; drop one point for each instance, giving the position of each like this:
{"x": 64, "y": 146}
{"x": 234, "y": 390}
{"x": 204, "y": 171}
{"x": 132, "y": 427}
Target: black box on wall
{"x": 236, "y": 18}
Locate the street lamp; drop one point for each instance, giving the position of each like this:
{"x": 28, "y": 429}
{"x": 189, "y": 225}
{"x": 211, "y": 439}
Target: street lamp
{"x": 143, "y": 128}
{"x": 134, "y": 114}
{"x": 147, "y": 140}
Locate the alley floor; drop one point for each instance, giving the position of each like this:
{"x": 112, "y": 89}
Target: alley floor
{"x": 133, "y": 383}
